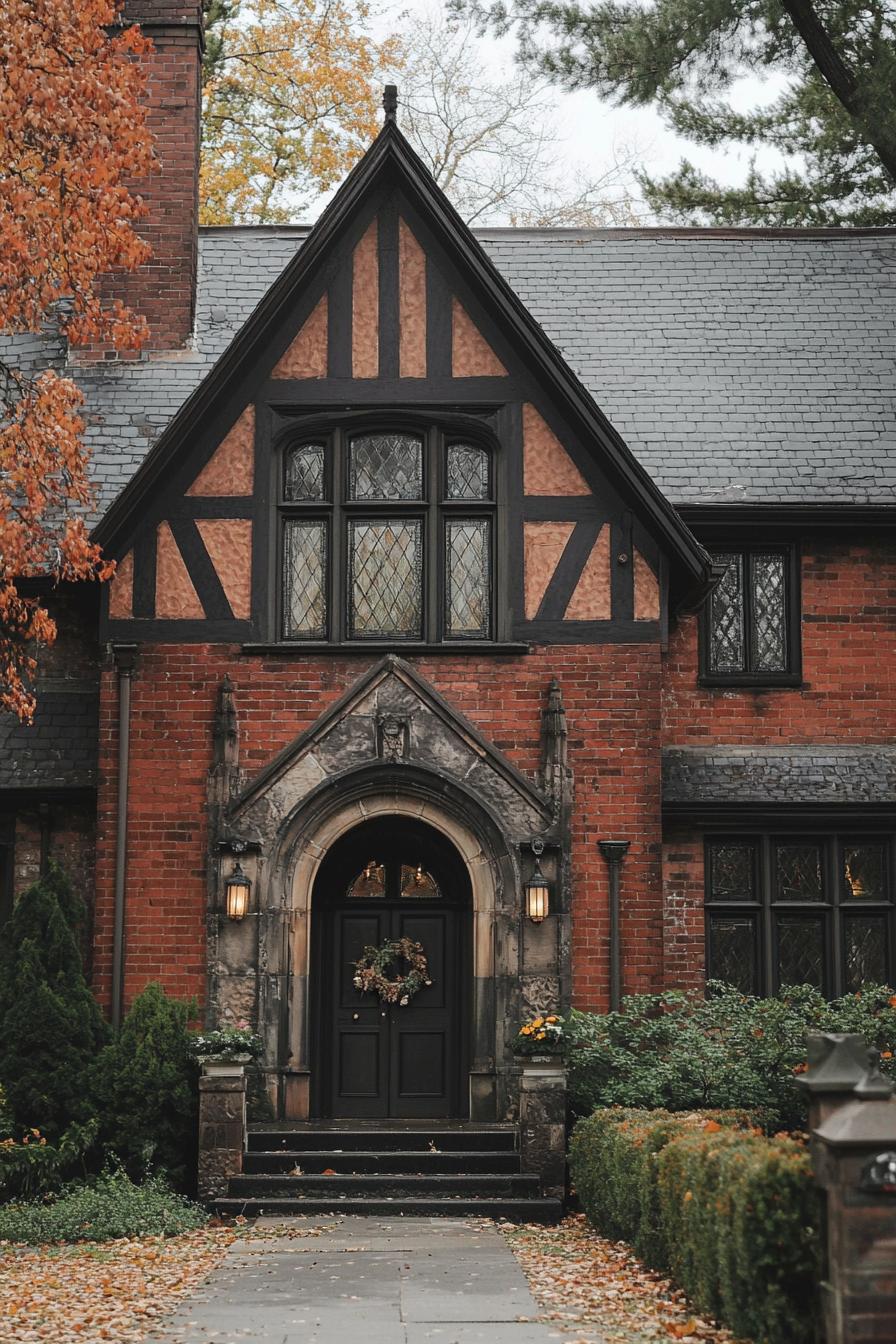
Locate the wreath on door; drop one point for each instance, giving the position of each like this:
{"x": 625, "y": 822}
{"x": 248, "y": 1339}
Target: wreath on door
{"x": 374, "y": 962}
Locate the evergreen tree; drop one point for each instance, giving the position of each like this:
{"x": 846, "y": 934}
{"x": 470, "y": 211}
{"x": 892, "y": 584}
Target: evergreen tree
{"x": 834, "y": 121}
{"x": 144, "y": 1088}
{"x": 51, "y": 1028}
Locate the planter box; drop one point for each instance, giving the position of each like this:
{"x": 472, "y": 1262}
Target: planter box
{"x": 225, "y": 1068}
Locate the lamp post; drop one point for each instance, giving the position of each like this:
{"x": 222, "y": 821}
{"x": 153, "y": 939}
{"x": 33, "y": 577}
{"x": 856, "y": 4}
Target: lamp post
{"x": 614, "y": 851}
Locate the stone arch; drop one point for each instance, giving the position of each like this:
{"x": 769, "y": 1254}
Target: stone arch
{"x": 286, "y": 899}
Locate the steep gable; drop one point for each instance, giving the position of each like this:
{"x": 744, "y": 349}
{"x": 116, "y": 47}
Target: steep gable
{"x": 391, "y": 303}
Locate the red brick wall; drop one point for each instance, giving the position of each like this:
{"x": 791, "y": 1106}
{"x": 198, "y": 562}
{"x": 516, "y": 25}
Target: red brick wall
{"x": 164, "y": 289}
{"x": 684, "y": 933}
{"x": 612, "y": 697}
{"x": 848, "y": 696}
{"x": 849, "y": 663}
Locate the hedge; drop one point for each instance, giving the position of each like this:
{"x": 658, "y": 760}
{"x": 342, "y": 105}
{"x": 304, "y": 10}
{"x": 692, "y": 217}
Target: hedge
{"x": 733, "y": 1216}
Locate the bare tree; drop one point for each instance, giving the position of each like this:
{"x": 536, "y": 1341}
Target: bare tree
{"x": 491, "y": 143}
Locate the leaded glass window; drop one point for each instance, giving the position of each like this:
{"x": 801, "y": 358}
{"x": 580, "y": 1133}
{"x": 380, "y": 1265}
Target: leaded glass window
{"x": 467, "y": 472}
{"x": 748, "y": 633}
{"x": 304, "y": 579}
{"x": 386, "y": 583}
{"x": 386, "y": 466}
{"x": 467, "y": 573}
{"x": 305, "y": 466}
{"x": 387, "y": 534}
{"x": 784, "y": 909}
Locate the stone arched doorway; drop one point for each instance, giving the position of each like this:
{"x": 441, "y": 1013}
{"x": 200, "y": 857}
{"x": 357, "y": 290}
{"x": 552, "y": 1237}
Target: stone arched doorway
{"x": 390, "y": 749}
{"x": 390, "y": 878}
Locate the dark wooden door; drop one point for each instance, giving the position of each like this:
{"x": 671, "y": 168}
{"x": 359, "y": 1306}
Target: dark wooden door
{"x": 381, "y": 1060}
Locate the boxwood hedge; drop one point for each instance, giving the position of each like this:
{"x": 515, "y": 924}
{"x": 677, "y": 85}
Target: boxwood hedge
{"x": 733, "y": 1216}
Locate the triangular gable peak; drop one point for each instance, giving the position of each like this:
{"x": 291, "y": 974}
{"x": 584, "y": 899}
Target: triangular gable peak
{"x": 389, "y": 310}
{"x": 390, "y": 716}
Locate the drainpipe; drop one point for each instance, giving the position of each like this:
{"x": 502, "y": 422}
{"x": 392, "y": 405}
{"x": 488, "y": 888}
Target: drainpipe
{"x": 614, "y": 851}
{"x": 124, "y": 655}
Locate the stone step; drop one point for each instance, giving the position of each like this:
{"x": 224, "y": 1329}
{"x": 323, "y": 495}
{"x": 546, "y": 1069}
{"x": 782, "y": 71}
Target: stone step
{"x": 495, "y": 1138}
{"x": 514, "y": 1210}
{"x": 381, "y": 1185}
{"x": 360, "y": 1160}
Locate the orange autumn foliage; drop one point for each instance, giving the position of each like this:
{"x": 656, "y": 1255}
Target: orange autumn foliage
{"x": 73, "y": 133}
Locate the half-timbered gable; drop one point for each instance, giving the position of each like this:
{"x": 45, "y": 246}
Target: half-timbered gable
{"x": 392, "y": 334}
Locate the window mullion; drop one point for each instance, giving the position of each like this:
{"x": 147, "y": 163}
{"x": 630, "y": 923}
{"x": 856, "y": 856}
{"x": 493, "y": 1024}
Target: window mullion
{"x": 747, "y": 571}
{"x": 338, "y": 557}
{"x": 433, "y": 576}
{"x": 833, "y": 869}
{"x": 766, "y": 889}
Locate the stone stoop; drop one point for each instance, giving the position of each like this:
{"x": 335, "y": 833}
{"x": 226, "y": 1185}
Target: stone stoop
{"x": 387, "y": 1169}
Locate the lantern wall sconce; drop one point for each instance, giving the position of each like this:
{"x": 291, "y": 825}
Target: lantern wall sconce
{"x": 237, "y": 889}
{"x": 538, "y": 889}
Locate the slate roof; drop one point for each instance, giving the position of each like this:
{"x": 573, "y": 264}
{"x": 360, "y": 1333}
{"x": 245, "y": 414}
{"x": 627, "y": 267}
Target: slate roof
{"x": 59, "y": 749}
{"x": 751, "y": 367}
{"x": 791, "y": 774}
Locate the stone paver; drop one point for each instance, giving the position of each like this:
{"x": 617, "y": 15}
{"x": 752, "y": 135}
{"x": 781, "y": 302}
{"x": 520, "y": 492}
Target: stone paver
{"x": 334, "y": 1280}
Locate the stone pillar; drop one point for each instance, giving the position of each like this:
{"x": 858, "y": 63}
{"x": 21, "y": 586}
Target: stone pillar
{"x": 543, "y": 1124}
{"x": 853, "y": 1147}
{"x": 222, "y": 1128}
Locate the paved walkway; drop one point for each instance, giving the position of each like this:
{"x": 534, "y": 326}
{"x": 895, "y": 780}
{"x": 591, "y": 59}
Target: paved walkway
{"x": 371, "y": 1280}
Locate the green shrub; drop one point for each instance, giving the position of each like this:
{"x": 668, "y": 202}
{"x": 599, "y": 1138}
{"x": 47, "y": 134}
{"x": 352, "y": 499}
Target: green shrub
{"x": 684, "y": 1053}
{"x": 732, "y": 1215}
{"x": 112, "y": 1206}
{"x": 32, "y": 1166}
{"x": 144, "y": 1088}
{"x": 50, "y": 1025}
{"x": 742, "y": 1222}
{"x": 613, "y": 1167}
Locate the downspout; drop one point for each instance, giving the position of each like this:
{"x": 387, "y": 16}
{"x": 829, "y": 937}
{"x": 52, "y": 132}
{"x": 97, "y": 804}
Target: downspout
{"x": 124, "y": 655}
{"x": 614, "y": 851}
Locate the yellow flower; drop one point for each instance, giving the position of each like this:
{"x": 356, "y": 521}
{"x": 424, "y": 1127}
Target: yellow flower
{"x": 551, "y": 1019}
{"x": 526, "y": 1031}
{"x": 539, "y": 1022}
{"x": 540, "y": 1035}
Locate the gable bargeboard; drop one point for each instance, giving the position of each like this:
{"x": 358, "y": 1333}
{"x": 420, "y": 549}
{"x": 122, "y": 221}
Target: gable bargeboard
{"x": 384, "y": 321}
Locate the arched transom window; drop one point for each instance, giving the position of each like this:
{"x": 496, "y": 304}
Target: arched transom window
{"x": 387, "y": 534}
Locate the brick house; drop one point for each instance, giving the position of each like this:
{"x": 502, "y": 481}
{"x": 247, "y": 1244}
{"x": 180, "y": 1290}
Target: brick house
{"x": 443, "y": 558}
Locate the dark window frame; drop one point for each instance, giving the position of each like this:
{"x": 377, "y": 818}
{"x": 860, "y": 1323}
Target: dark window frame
{"x": 831, "y": 912}
{"x": 435, "y": 509}
{"x": 792, "y": 674}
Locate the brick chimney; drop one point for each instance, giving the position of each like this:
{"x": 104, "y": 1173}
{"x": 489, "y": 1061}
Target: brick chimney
{"x": 164, "y": 290}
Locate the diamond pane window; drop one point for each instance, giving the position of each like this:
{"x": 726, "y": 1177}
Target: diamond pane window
{"x": 798, "y": 873}
{"x": 467, "y": 565}
{"x": 747, "y": 629}
{"x": 467, "y": 472}
{"x": 769, "y": 625}
{"x": 386, "y": 578}
{"x": 727, "y": 618}
{"x": 731, "y": 871}
{"x": 865, "y": 872}
{"x": 865, "y": 951}
{"x": 386, "y": 466}
{"x": 800, "y": 951}
{"x": 304, "y": 473}
{"x": 732, "y": 952}
{"x": 304, "y": 579}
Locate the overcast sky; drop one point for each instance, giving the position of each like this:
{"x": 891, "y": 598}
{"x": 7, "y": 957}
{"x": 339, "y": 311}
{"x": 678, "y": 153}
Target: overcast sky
{"x": 590, "y": 127}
